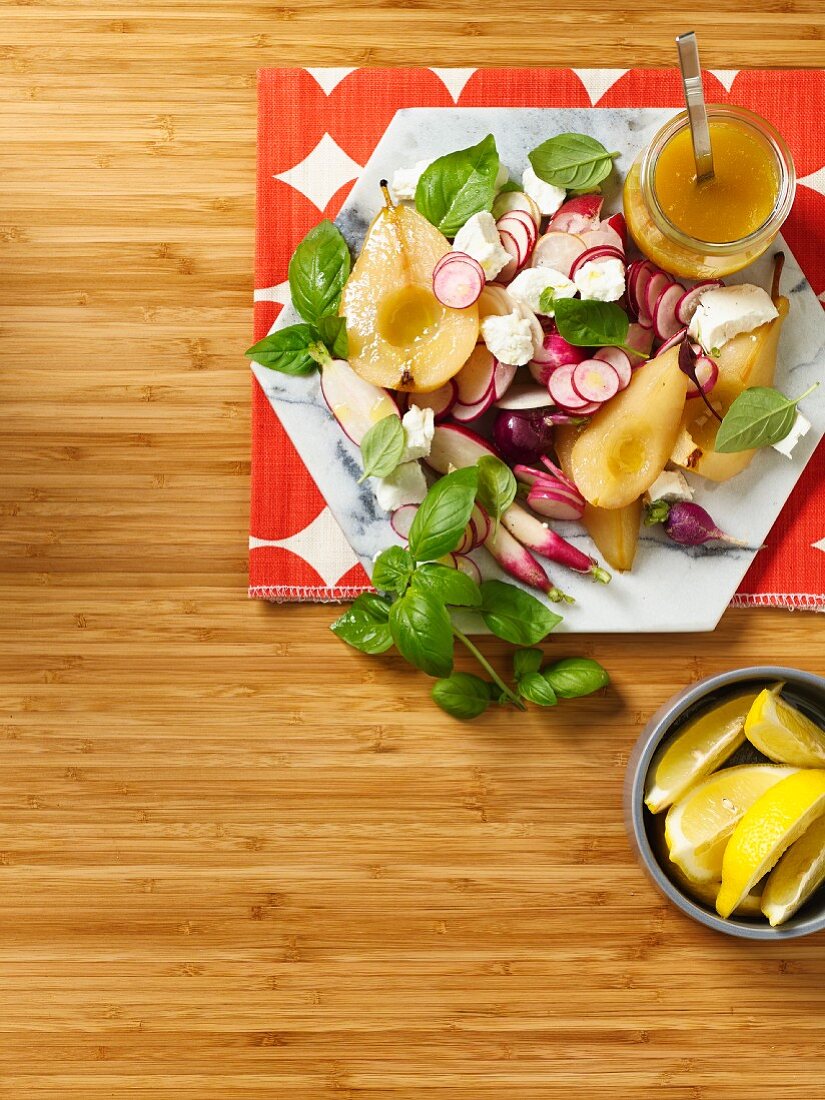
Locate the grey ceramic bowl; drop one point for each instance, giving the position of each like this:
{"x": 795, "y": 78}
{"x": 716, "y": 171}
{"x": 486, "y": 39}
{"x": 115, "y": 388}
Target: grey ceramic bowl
{"x": 806, "y": 691}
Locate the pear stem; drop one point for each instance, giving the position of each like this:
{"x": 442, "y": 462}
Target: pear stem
{"x": 387, "y": 196}
{"x": 778, "y": 264}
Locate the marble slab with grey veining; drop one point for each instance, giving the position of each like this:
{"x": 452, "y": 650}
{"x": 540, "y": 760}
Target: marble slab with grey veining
{"x": 670, "y": 588}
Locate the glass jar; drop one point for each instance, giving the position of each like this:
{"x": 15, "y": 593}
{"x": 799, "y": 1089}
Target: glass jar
{"x": 672, "y": 248}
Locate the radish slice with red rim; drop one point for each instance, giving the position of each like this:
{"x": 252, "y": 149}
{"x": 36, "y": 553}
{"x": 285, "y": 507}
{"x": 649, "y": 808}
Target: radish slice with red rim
{"x": 686, "y": 306}
{"x": 401, "y": 520}
{"x": 440, "y": 401}
{"x": 555, "y": 352}
{"x": 510, "y": 246}
{"x": 503, "y": 376}
{"x": 482, "y": 523}
{"x": 595, "y": 380}
{"x": 665, "y": 321}
{"x": 707, "y": 373}
{"x": 640, "y": 339}
{"x": 676, "y": 338}
{"x": 525, "y": 396}
{"x": 645, "y": 273}
{"x": 475, "y": 379}
{"x": 560, "y": 388}
{"x": 576, "y": 214}
{"x": 555, "y": 504}
{"x": 508, "y": 201}
{"x": 466, "y": 414}
{"x": 459, "y": 283}
{"x": 469, "y": 566}
{"x": 522, "y": 218}
{"x": 592, "y": 255}
{"x": 604, "y": 235}
{"x": 618, "y": 224}
{"x": 658, "y": 282}
{"x": 524, "y": 239}
{"x": 558, "y": 251}
{"x": 620, "y": 362}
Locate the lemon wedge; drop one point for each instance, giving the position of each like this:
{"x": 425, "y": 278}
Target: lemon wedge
{"x": 783, "y": 733}
{"x": 772, "y": 824}
{"x": 701, "y": 747}
{"x": 697, "y": 827}
{"x": 706, "y": 893}
{"x": 796, "y": 876}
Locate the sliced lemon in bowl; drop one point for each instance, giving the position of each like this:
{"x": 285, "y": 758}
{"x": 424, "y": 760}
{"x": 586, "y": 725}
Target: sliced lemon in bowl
{"x": 774, "y": 821}
{"x": 783, "y": 733}
{"x": 798, "y": 874}
{"x": 704, "y": 743}
{"x": 698, "y": 826}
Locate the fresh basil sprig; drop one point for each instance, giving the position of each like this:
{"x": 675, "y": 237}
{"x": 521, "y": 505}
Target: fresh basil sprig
{"x": 587, "y": 324}
{"x": 417, "y": 595}
{"x": 758, "y": 417}
{"x": 575, "y": 162}
{"x": 458, "y": 185}
{"x": 318, "y": 271}
{"x": 497, "y": 486}
{"x": 382, "y": 447}
{"x": 569, "y": 678}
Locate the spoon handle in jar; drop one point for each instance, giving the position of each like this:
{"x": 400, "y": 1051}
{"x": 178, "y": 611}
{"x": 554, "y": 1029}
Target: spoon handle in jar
{"x": 695, "y": 102}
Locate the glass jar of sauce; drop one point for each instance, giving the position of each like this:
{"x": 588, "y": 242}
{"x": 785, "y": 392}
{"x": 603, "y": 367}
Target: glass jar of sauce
{"x": 710, "y": 229}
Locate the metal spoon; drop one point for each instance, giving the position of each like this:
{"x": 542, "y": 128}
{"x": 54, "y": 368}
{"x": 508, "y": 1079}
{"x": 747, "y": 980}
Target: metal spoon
{"x": 695, "y": 103}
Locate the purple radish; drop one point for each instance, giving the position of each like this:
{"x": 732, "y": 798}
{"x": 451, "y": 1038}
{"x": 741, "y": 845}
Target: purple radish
{"x": 441, "y": 401}
{"x": 618, "y": 224}
{"x": 595, "y": 380}
{"x": 555, "y": 503}
{"x": 459, "y": 283}
{"x": 707, "y": 374}
{"x": 520, "y": 563}
{"x": 560, "y": 388}
{"x": 665, "y": 322}
{"x": 558, "y": 251}
{"x": 690, "y": 525}
{"x": 503, "y": 378}
{"x": 455, "y": 447}
{"x": 535, "y": 535}
{"x": 555, "y": 352}
{"x": 525, "y": 396}
{"x": 604, "y": 235}
{"x": 355, "y": 403}
{"x": 522, "y": 436}
{"x": 401, "y": 520}
{"x": 677, "y": 338}
{"x": 686, "y": 306}
{"x": 468, "y": 566}
{"x": 476, "y": 378}
{"x": 620, "y": 362}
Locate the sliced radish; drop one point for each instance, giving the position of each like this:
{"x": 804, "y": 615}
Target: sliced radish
{"x": 646, "y": 272}
{"x": 581, "y": 212}
{"x": 555, "y": 352}
{"x": 467, "y": 565}
{"x": 450, "y": 257}
{"x": 495, "y": 301}
{"x": 619, "y": 360}
{"x": 676, "y": 338}
{"x": 522, "y": 218}
{"x": 482, "y": 523}
{"x": 640, "y": 339}
{"x": 508, "y": 201}
{"x": 510, "y": 246}
{"x": 466, "y": 414}
{"x": 619, "y": 225}
{"x": 525, "y": 396}
{"x": 707, "y": 373}
{"x": 458, "y": 284}
{"x": 558, "y": 251}
{"x": 658, "y": 282}
{"x": 440, "y": 401}
{"x": 555, "y": 504}
{"x": 595, "y": 380}
{"x": 454, "y": 447}
{"x": 605, "y": 234}
{"x": 686, "y": 306}
{"x": 525, "y": 239}
{"x": 665, "y": 321}
{"x": 632, "y": 275}
{"x": 401, "y": 520}
{"x": 591, "y": 255}
{"x": 475, "y": 379}
{"x": 468, "y": 541}
{"x": 503, "y": 376}
{"x": 355, "y": 403}
{"x": 560, "y": 388}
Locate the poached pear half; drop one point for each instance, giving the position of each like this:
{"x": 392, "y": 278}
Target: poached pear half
{"x": 400, "y": 335}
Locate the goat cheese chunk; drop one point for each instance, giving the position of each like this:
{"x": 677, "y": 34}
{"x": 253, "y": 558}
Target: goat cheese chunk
{"x": 405, "y": 180}
{"x": 405, "y": 485}
{"x": 601, "y": 280}
{"x": 479, "y": 238}
{"x": 670, "y": 485}
{"x": 528, "y": 286}
{"x": 419, "y": 427}
{"x": 509, "y": 338}
{"x": 725, "y": 311}
{"x": 546, "y": 197}
{"x": 800, "y": 428}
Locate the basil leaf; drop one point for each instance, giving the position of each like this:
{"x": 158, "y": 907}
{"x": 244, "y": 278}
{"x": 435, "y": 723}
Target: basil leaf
{"x": 576, "y": 676}
{"x": 422, "y": 631}
{"x": 462, "y": 695}
{"x": 526, "y": 661}
{"x": 496, "y": 486}
{"x": 547, "y": 301}
{"x": 392, "y": 570}
{"x": 382, "y": 447}
{"x": 586, "y": 323}
{"x": 573, "y": 161}
{"x": 451, "y": 586}
{"x": 438, "y": 525}
{"x": 289, "y": 350}
{"x": 365, "y": 624}
{"x": 758, "y": 417}
{"x": 515, "y": 615}
{"x": 318, "y": 270}
{"x": 333, "y": 331}
{"x": 535, "y": 687}
{"x": 458, "y": 185}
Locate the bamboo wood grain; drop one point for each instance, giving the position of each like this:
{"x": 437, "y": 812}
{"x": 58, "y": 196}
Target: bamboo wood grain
{"x": 237, "y": 860}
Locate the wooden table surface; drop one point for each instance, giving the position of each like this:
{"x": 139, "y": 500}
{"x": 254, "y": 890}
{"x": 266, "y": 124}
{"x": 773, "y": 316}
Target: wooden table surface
{"x": 237, "y": 859}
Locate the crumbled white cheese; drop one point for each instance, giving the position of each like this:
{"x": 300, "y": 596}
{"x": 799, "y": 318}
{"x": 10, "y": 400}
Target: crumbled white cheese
{"x": 801, "y": 427}
{"x": 479, "y": 238}
{"x": 670, "y": 485}
{"x": 725, "y": 311}
{"x": 419, "y": 427}
{"x": 546, "y": 197}
{"x": 405, "y": 180}
{"x": 405, "y": 485}
{"x": 509, "y": 338}
{"x": 528, "y": 285}
{"x": 601, "y": 280}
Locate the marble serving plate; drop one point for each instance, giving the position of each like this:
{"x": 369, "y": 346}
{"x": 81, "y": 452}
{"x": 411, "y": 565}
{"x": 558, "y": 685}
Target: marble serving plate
{"x": 670, "y": 588}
